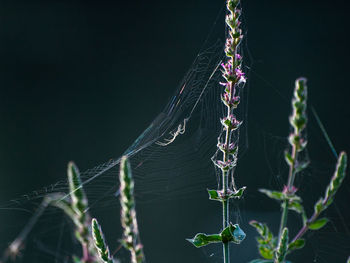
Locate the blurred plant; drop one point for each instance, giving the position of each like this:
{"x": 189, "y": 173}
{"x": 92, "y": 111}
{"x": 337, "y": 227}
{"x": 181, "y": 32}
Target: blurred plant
{"x": 88, "y": 232}
{"x": 100, "y": 242}
{"x": 275, "y": 249}
{"x": 75, "y": 205}
{"x": 77, "y": 209}
{"x": 234, "y": 79}
{"x": 131, "y": 238}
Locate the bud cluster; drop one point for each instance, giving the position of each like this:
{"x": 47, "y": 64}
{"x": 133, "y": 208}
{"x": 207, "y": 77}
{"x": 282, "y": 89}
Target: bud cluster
{"x": 233, "y": 76}
{"x": 100, "y": 242}
{"x": 298, "y": 118}
{"x": 128, "y": 213}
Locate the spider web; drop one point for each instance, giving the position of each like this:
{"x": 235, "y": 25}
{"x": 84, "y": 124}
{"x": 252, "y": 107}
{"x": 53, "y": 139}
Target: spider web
{"x": 171, "y": 163}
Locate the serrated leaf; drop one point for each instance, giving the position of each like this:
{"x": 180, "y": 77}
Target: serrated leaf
{"x": 201, "y": 239}
{"x": 273, "y": 194}
{"x": 318, "y": 224}
{"x": 297, "y": 244}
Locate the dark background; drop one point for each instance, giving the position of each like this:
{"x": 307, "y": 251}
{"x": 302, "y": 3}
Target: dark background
{"x": 75, "y": 74}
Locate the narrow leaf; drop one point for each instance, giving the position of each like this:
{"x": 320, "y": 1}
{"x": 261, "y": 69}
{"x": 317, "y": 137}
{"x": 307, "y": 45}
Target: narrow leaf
{"x": 296, "y": 206}
{"x": 318, "y": 208}
{"x": 262, "y": 229}
{"x": 261, "y": 261}
{"x": 100, "y": 242}
{"x": 282, "y": 247}
{"x": 318, "y": 224}
{"x": 201, "y": 239}
{"x": 273, "y": 194}
{"x": 337, "y": 179}
{"x": 237, "y": 194}
{"x": 289, "y": 158}
{"x": 297, "y": 244}
{"x": 301, "y": 166}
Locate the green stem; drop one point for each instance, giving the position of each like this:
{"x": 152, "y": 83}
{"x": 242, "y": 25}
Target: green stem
{"x": 291, "y": 177}
{"x": 225, "y": 202}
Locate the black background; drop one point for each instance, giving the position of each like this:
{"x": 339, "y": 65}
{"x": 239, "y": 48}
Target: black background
{"x": 75, "y": 74}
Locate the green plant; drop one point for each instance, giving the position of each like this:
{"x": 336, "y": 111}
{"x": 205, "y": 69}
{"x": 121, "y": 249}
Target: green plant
{"x": 100, "y": 242}
{"x": 275, "y": 249}
{"x": 234, "y": 77}
{"x": 131, "y": 238}
{"x": 88, "y": 232}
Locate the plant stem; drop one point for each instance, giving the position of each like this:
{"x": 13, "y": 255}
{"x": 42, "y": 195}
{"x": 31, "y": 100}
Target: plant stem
{"x": 291, "y": 177}
{"x": 225, "y": 201}
{"x": 298, "y": 121}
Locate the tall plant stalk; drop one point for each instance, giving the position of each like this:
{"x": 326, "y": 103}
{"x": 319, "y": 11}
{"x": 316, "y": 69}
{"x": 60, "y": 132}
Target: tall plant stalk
{"x": 275, "y": 249}
{"x": 298, "y": 121}
{"x": 227, "y": 145}
{"x": 233, "y": 76}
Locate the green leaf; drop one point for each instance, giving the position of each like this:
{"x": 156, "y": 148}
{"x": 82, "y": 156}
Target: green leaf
{"x": 273, "y": 194}
{"x": 214, "y": 195}
{"x": 337, "y": 179}
{"x": 296, "y": 206}
{"x": 217, "y": 195}
{"x": 263, "y": 230}
{"x": 227, "y": 233}
{"x": 77, "y": 194}
{"x": 100, "y": 243}
{"x": 265, "y": 261}
{"x": 318, "y": 224}
{"x": 77, "y": 260}
{"x": 201, "y": 239}
{"x": 258, "y": 226}
{"x": 237, "y": 194}
{"x": 282, "y": 248}
{"x": 288, "y": 157}
{"x": 297, "y": 244}
{"x": 234, "y": 150}
{"x": 318, "y": 208}
{"x": 301, "y": 166}
{"x": 232, "y": 233}
{"x": 266, "y": 251}
{"x": 261, "y": 261}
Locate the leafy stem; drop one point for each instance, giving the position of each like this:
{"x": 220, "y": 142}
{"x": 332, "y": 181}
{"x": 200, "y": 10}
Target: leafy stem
{"x": 314, "y": 223}
{"x": 298, "y": 122}
{"x": 234, "y": 80}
